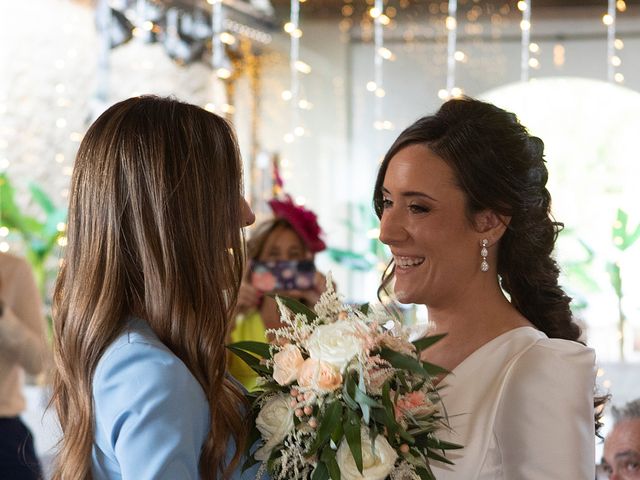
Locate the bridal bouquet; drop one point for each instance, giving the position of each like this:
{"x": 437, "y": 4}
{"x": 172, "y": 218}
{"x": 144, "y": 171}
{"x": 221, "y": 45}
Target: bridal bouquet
{"x": 343, "y": 395}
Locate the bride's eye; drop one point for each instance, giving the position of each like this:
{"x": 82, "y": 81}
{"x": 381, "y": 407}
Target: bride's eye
{"x": 386, "y": 203}
{"x": 419, "y": 209}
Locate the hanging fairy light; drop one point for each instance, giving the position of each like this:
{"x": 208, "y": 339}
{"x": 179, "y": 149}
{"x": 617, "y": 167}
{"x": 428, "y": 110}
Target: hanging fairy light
{"x": 296, "y": 67}
{"x": 525, "y": 26}
{"x": 219, "y": 60}
{"x": 613, "y": 44}
{"x": 451, "y": 24}
{"x": 380, "y": 55}
{"x": 378, "y": 40}
{"x": 453, "y": 55}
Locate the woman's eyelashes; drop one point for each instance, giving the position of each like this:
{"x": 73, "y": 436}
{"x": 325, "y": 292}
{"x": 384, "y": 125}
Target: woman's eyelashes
{"x": 415, "y": 208}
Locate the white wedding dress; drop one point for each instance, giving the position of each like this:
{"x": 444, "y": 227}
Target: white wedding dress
{"x": 522, "y": 407}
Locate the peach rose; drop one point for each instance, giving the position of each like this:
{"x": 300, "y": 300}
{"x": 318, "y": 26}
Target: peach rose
{"x": 319, "y": 375}
{"x": 415, "y": 403}
{"x": 286, "y": 364}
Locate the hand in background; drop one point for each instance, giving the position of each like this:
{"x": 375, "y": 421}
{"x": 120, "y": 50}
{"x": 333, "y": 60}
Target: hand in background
{"x": 248, "y": 298}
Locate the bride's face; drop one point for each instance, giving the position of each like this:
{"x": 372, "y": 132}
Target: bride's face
{"x": 435, "y": 248}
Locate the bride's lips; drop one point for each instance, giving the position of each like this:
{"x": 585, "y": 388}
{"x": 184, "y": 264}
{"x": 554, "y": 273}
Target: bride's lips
{"x": 405, "y": 263}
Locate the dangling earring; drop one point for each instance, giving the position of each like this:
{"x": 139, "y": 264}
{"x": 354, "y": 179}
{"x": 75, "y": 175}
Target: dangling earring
{"x": 484, "y": 266}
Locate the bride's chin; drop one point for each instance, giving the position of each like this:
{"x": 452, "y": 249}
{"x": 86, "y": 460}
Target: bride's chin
{"x": 403, "y": 296}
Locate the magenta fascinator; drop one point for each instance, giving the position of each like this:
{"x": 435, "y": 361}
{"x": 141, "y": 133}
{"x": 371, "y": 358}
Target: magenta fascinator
{"x": 303, "y": 221}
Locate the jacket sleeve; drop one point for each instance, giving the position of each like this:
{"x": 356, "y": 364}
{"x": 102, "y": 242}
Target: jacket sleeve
{"x": 545, "y": 423}
{"x": 153, "y": 412}
{"x": 22, "y": 326}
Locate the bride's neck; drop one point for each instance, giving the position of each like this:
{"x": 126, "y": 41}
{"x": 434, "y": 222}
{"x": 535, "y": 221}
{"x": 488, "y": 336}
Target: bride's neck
{"x": 470, "y": 323}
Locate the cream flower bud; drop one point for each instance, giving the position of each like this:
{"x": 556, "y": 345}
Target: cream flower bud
{"x": 377, "y": 462}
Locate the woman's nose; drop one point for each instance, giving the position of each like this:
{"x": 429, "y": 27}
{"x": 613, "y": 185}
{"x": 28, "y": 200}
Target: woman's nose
{"x": 248, "y": 217}
{"x": 392, "y": 229}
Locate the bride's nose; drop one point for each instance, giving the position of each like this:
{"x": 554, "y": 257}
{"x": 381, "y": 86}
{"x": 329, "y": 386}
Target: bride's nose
{"x": 392, "y": 228}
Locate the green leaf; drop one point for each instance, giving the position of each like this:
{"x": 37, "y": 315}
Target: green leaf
{"x": 403, "y": 362}
{"x": 363, "y": 399}
{"x": 433, "y": 442}
{"x": 295, "y": 306}
{"x": 614, "y": 276}
{"x": 436, "y": 456}
{"x": 425, "y": 474}
{"x": 328, "y": 456}
{"x": 354, "y": 440}
{"x": 426, "y": 342}
{"x": 623, "y": 239}
{"x": 337, "y": 433}
{"x": 332, "y": 416}
{"x": 348, "y": 392}
{"x": 433, "y": 369}
{"x": 364, "y": 308}
{"x": 257, "y": 348}
{"x": 251, "y": 360}
{"x": 321, "y": 472}
{"x": 41, "y": 198}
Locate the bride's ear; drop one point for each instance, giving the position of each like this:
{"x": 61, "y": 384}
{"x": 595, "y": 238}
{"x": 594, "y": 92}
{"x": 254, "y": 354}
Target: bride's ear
{"x": 491, "y": 225}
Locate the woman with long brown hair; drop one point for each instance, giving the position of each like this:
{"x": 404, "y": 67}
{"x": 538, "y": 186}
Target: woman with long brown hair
{"x": 144, "y": 298}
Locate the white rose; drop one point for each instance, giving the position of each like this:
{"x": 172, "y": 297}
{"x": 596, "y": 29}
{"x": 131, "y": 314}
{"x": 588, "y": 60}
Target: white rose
{"x": 274, "y": 421}
{"x": 336, "y": 343}
{"x": 377, "y": 462}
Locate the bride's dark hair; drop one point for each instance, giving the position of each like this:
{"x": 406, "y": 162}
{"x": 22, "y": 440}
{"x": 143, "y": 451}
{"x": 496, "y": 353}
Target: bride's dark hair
{"x": 500, "y": 167}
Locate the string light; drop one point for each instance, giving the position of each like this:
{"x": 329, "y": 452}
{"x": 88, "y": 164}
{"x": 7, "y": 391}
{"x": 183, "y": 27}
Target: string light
{"x": 219, "y": 60}
{"x": 525, "y": 26}
{"x": 613, "y": 61}
{"x": 246, "y": 31}
{"x": 227, "y": 38}
{"x": 378, "y": 39}
{"x": 558, "y": 55}
{"x": 451, "y": 24}
{"x": 302, "y": 67}
{"x": 296, "y": 66}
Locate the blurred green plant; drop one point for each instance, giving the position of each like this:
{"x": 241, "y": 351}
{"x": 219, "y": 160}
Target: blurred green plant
{"x": 40, "y": 238}
{"x": 577, "y": 270}
{"x": 362, "y": 220}
{"x": 623, "y": 238}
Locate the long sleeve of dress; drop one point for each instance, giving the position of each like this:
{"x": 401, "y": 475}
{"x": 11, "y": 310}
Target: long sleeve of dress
{"x": 151, "y": 415}
{"x": 544, "y": 423}
{"x": 22, "y": 326}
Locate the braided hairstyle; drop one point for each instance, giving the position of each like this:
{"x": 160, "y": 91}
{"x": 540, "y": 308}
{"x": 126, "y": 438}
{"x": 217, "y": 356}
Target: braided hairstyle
{"x": 500, "y": 166}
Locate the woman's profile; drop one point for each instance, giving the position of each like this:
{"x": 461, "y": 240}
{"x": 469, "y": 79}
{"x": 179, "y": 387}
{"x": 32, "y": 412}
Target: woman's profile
{"x": 464, "y": 207}
{"x": 144, "y": 298}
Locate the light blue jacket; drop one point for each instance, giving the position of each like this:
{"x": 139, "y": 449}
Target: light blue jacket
{"x": 151, "y": 414}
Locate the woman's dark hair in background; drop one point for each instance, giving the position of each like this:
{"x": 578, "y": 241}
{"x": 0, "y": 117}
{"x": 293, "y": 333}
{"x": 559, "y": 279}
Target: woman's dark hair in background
{"x": 500, "y": 167}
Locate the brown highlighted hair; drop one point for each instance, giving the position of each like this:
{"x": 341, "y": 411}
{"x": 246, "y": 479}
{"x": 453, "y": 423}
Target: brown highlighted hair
{"x": 154, "y": 230}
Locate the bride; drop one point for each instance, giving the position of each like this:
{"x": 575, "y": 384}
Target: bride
{"x": 464, "y": 208}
